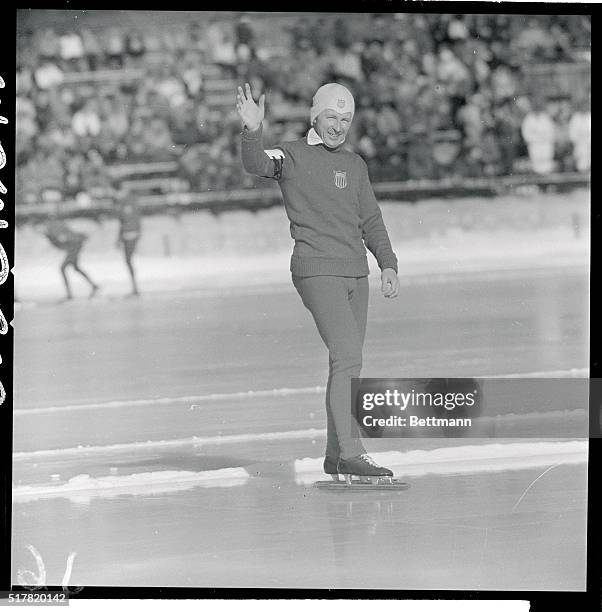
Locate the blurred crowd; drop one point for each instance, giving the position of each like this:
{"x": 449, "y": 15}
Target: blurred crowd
{"x": 436, "y": 96}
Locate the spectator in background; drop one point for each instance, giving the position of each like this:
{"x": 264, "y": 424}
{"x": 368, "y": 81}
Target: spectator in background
{"x": 86, "y": 120}
{"x": 419, "y": 153}
{"x": 154, "y": 103}
{"x": 372, "y": 58}
{"x": 563, "y": 147}
{"x": 345, "y": 65}
{"x": 153, "y": 44}
{"x": 299, "y": 33}
{"x": 135, "y": 48}
{"x": 503, "y": 84}
{"x": 387, "y": 120}
{"x": 204, "y": 127}
{"x": 49, "y": 174}
{"x": 72, "y": 52}
{"x": 245, "y": 39}
{"x": 171, "y": 87}
{"x": 538, "y": 131}
{"x": 95, "y": 180}
{"x": 50, "y": 105}
{"x": 319, "y": 34}
{"x": 48, "y": 75}
{"x": 507, "y": 128}
{"x": 445, "y": 155}
{"x": 561, "y": 50}
{"x": 456, "y": 28}
{"x": 490, "y": 152}
{"x": 220, "y": 44}
{"x": 48, "y": 46}
{"x": 183, "y": 125}
{"x": 191, "y": 166}
{"x": 533, "y": 43}
{"x": 115, "y": 118}
{"x": 157, "y": 140}
{"x": 27, "y": 128}
{"x": 136, "y": 146}
{"x": 174, "y": 41}
{"x": 58, "y": 138}
{"x": 192, "y": 77}
{"x": 114, "y": 48}
{"x": 580, "y": 134}
{"x": 92, "y": 50}
{"x": 342, "y": 34}
{"x": 73, "y": 175}
{"x": 470, "y": 120}
{"x": 455, "y": 76}
{"x": 196, "y": 38}
{"x": 25, "y": 80}
{"x": 27, "y": 185}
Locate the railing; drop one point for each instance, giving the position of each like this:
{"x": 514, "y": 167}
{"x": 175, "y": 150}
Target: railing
{"x": 255, "y": 199}
{"x": 559, "y": 80}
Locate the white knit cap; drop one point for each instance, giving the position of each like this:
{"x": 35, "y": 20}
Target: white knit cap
{"x": 333, "y": 96}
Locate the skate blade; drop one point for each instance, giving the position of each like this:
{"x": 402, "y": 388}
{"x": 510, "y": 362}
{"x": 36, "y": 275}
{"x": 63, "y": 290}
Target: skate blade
{"x": 358, "y": 485}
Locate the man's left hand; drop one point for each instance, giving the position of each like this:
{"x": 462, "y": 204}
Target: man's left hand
{"x": 390, "y": 283}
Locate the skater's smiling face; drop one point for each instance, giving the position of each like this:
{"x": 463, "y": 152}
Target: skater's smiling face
{"x": 332, "y": 127}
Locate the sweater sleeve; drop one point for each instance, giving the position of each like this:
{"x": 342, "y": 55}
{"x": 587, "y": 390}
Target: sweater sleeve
{"x": 255, "y": 160}
{"x": 374, "y": 232}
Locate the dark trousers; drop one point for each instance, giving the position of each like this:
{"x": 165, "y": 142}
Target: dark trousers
{"x": 339, "y": 306}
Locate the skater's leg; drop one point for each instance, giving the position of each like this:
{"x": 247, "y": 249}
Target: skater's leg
{"x": 333, "y": 450}
{"x": 93, "y": 285}
{"x": 359, "y": 306}
{"x": 328, "y": 299}
{"x": 66, "y": 263}
{"x": 75, "y": 263}
{"x": 129, "y": 247}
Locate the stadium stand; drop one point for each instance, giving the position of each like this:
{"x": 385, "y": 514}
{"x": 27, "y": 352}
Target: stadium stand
{"x": 149, "y": 100}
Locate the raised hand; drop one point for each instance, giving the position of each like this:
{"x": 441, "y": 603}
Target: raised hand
{"x": 251, "y": 114}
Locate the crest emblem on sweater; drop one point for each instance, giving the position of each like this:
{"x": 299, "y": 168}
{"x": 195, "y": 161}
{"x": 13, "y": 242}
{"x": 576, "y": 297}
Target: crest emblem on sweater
{"x": 340, "y": 179}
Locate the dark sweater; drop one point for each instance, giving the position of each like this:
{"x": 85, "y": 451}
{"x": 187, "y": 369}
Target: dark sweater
{"x": 62, "y": 236}
{"x": 329, "y": 202}
{"x": 129, "y": 223}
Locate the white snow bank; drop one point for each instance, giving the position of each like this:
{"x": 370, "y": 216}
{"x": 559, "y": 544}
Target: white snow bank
{"x": 83, "y": 487}
{"x": 464, "y": 459}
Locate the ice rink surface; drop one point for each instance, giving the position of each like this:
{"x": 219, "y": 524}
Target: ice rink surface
{"x": 156, "y": 439}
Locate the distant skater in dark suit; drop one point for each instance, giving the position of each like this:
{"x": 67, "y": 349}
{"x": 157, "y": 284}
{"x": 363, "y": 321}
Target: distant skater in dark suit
{"x": 129, "y": 232}
{"x": 63, "y": 237}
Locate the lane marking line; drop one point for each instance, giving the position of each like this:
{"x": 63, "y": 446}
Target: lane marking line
{"x": 153, "y": 444}
{"x": 302, "y": 434}
{"x": 250, "y": 394}
{"x": 191, "y": 399}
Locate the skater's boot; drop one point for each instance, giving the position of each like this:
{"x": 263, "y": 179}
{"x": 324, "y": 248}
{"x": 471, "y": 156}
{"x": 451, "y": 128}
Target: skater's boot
{"x": 363, "y": 466}
{"x": 330, "y": 467}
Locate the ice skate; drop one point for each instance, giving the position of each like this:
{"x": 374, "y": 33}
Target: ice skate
{"x": 359, "y": 473}
{"x": 330, "y": 467}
